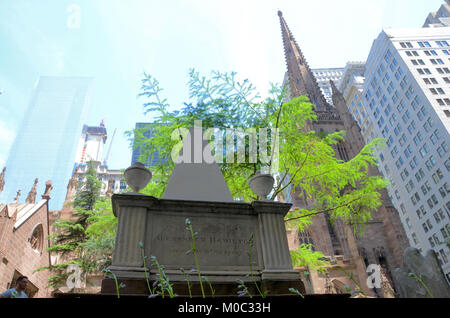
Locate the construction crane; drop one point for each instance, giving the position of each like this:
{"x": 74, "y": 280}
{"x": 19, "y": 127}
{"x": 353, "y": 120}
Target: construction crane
{"x": 105, "y": 162}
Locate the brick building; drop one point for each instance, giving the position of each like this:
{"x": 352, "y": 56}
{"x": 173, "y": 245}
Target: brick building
{"x": 24, "y": 229}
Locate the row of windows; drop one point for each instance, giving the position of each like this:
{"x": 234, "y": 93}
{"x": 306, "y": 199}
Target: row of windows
{"x": 427, "y": 53}
{"x": 423, "y": 44}
{"x": 434, "y": 241}
{"x": 443, "y": 102}
{"x": 426, "y": 188}
{"x": 423, "y": 71}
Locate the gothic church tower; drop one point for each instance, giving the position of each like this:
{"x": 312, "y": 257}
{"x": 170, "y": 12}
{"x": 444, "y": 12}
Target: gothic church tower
{"x": 384, "y": 240}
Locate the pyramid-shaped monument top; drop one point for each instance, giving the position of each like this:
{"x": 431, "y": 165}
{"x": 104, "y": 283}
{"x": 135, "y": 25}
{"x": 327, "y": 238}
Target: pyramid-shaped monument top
{"x": 197, "y": 176}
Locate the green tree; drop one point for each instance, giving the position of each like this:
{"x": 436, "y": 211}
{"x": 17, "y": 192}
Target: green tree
{"x": 307, "y": 159}
{"x": 87, "y": 240}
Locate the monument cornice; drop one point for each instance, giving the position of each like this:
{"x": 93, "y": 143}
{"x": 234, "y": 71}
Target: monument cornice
{"x": 153, "y": 203}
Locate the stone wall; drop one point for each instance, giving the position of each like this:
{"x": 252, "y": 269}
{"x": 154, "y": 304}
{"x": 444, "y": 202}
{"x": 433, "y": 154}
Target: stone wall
{"x": 17, "y": 254}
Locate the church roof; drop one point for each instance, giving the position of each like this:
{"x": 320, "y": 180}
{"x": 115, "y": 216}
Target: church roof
{"x": 301, "y": 78}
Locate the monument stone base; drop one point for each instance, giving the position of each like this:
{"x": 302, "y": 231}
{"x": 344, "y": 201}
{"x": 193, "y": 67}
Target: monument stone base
{"x": 229, "y": 237}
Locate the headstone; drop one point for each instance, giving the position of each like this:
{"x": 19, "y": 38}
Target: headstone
{"x": 157, "y": 227}
{"x": 194, "y": 178}
{"x": 426, "y": 269}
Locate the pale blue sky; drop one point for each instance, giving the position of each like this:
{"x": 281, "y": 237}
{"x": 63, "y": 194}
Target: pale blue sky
{"x": 117, "y": 40}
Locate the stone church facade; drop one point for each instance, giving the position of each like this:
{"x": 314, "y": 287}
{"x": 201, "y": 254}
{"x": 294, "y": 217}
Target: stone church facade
{"x": 24, "y": 229}
{"x": 384, "y": 239}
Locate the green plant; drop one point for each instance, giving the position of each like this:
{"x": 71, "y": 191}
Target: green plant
{"x": 72, "y": 239}
{"x": 194, "y": 251}
{"x": 213, "y": 292}
{"x": 304, "y": 256}
{"x": 162, "y": 281}
{"x": 307, "y": 159}
{"x": 147, "y": 280}
{"x": 350, "y": 275}
{"x": 242, "y": 289}
{"x": 113, "y": 276}
{"x": 295, "y": 291}
{"x": 186, "y": 278}
{"x": 250, "y": 247}
{"x": 420, "y": 280}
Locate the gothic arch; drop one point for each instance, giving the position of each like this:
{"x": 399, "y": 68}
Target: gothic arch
{"x": 37, "y": 238}
{"x": 305, "y": 237}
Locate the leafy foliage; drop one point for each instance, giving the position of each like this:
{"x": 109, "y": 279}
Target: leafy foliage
{"x": 304, "y": 256}
{"x": 87, "y": 240}
{"x": 307, "y": 159}
{"x": 307, "y": 165}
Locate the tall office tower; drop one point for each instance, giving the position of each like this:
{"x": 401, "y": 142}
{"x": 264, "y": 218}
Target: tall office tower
{"x": 138, "y": 150}
{"x": 351, "y": 86}
{"x": 384, "y": 239}
{"x": 441, "y": 18}
{"x": 406, "y": 99}
{"x": 90, "y": 149}
{"x": 91, "y": 144}
{"x": 323, "y": 77}
{"x": 47, "y": 140}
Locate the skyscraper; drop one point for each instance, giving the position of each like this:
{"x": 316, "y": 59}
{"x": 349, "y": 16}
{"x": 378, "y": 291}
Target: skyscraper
{"x": 384, "y": 239}
{"x": 47, "y": 140}
{"x": 406, "y": 100}
{"x": 139, "y": 150}
{"x": 323, "y": 77}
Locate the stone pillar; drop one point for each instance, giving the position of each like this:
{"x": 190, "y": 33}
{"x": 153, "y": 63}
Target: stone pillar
{"x": 274, "y": 244}
{"x": 127, "y": 253}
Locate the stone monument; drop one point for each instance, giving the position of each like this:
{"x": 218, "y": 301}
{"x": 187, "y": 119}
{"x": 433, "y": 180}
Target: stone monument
{"x": 197, "y": 191}
{"x": 421, "y": 277}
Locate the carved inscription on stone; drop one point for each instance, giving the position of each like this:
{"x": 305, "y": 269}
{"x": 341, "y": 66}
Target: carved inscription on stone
{"x": 221, "y": 241}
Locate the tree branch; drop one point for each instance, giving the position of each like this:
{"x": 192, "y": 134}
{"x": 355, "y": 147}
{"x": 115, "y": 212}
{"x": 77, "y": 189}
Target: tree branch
{"x": 290, "y": 181}
{"x": 325, "y": 210}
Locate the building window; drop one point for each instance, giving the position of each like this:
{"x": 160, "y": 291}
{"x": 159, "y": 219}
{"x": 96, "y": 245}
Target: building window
{"x": 443, "y": 256}
{"x": 408, "y": 222}
{"x": 37, "y": 238}
{"x": 424, "y": 44}
{"x": 431, "y": 242}
{"x": 406, "y": 45}
{"x": 305, "y": 238}
{"x": 402, "y": 208}
{"x": 442, "y": 43}
{"x": 425, "y": 228}
{"x": 414, "y": 237}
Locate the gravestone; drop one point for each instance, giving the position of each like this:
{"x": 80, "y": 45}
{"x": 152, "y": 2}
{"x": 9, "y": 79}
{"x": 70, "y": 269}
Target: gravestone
{"x": 224, "y": 229}
{"x": 425, "y": 268}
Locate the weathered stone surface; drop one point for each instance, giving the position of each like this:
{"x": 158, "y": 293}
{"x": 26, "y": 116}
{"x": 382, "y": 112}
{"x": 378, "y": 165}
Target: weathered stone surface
{"x": 222, "y": 243}
{"x": 197, "y": 176}
{"x": 428, "y": 269}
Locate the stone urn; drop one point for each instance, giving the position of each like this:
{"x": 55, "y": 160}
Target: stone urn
{"x": 137, "y": 176}
{"x": 261, "y": 185}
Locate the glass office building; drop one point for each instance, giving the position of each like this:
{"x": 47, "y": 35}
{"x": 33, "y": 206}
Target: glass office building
{"x": 47, "y": 140}
{"x": 138, "y": 150}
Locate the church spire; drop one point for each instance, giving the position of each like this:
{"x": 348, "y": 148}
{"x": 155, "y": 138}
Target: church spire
{"x": 301, "y": 78}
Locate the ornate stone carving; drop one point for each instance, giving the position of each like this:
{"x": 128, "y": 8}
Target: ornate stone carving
{"x": 2, "y": 179}
{"x": 110, "y": 190}
{"x": 16, "y": 199}
{"x": 48, "y": 188}
{"x": 31, "y": 198}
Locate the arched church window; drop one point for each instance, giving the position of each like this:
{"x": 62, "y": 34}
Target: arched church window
{"x": 342, "y": 152}
{"x": 304, "y": 237}
{"x": 37, "y": 238}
